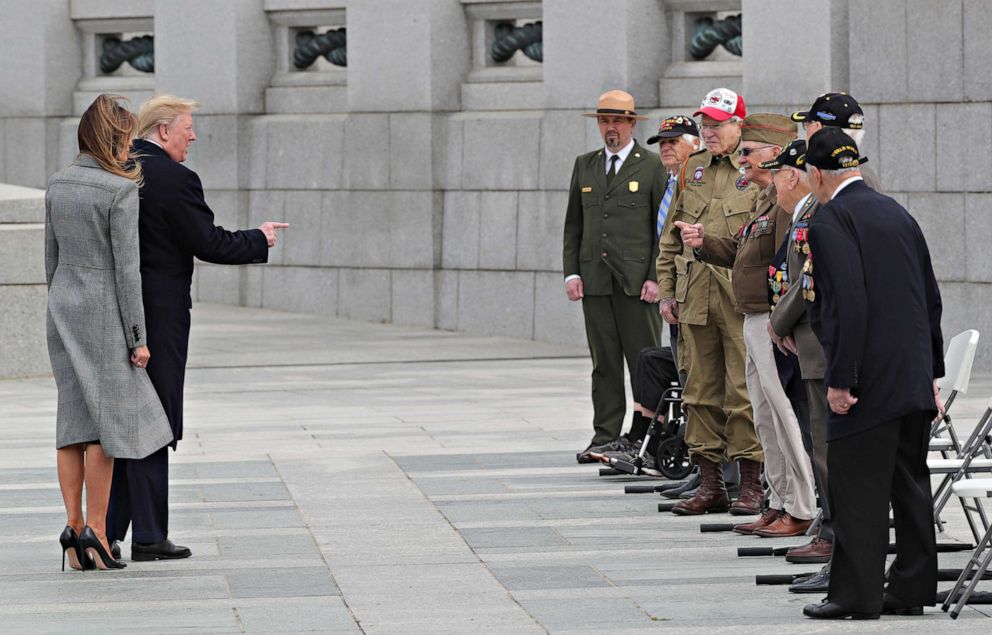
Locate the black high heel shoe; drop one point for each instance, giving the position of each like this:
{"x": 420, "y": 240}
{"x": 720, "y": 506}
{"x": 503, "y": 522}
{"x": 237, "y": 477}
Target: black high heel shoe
{"x": 70, "y": 546}
{"x": 94, "y": 549}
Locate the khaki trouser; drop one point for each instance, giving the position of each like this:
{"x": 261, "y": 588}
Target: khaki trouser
{"x": 787, "y": 466}
{"x": 618, "y": 327}
{"x": 816, "y": 393}
{"x": 719, "y": 425}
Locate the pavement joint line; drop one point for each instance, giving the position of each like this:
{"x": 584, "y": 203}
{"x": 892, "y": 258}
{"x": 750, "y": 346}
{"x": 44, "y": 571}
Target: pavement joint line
{"x": 13, "y": 487}
{"x": 123, "y": 605}
{"x": 51, "y": 509}
{"x": 491, "y": 472}
{"x": 320, "y": 550}
{"x": 451, "y": 498}
{"x": 389, "y": 363}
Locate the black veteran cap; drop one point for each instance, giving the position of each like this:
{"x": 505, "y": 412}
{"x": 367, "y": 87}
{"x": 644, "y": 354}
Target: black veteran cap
{"x": 834, "y": 109}
{"x": 793, "y": 155}
{"x": 675, "y": 127}
{"x": 831, "y": 149}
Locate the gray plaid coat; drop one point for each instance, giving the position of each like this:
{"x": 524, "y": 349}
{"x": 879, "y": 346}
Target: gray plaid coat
{"x": 95, "y": 314}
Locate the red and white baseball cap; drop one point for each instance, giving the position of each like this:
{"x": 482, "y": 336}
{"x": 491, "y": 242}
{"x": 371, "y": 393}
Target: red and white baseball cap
{"x": 722, "y": 104}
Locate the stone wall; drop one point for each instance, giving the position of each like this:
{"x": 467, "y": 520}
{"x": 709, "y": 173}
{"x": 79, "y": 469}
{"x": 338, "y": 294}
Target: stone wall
{"x": 425, "y": 184}
{"x": 23, "y": 295}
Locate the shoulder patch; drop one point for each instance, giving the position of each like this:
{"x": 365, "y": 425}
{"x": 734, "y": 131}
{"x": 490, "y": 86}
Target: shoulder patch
{"x": 742, "y": 183}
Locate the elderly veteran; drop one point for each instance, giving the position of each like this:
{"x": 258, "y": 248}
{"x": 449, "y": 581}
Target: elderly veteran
{"x": 838, "y": 110}
{"x": 792, "y": 503}
{"x": 711, "y": 191}
{"x": 789, "y": 324}
{"x": 869, "y": 269}
{"x": 608, "y": 255}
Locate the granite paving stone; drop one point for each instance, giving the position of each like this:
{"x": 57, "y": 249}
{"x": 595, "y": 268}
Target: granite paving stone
{"x": 345, "y": 477}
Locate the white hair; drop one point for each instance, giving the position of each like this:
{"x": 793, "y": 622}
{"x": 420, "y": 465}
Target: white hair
{"x": 858, "y": 135}
{"x": 692, "y": 140}
{"x": 839, "y": 172}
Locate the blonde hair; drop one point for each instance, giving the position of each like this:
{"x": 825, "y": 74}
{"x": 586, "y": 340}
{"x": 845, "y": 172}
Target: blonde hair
{"x": 162, "y": 109}
{"x": 105, "y": 132}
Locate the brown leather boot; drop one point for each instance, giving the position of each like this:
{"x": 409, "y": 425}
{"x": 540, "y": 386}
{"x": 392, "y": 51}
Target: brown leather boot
{"x": 711, "y": 495}
{"x": 752, "y": 495}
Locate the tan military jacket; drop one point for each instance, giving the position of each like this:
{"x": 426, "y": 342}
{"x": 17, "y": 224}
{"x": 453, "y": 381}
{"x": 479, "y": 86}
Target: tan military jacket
{"x": 713, "y": 193}
{"x": 751, "y": 251}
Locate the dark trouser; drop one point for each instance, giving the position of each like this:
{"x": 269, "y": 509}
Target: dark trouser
{"x": 618, "y": 327}
{"x": 867, "y": 471}
{"x": 141, "y": 497}
{"x": 816, "y": 393}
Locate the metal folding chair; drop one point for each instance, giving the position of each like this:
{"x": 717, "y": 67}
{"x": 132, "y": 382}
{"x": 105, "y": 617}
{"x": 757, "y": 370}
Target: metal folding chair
{"x": 981, "y": 557}
{"x": 976, "y": 457}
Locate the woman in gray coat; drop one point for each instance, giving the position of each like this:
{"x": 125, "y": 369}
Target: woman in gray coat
{"x": 96, "y": 326}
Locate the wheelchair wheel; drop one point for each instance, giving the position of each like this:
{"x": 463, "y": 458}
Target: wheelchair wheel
{"x": 673, "y": 458}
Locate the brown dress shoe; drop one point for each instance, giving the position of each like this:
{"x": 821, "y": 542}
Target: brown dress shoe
{"x": 767, "y": 517}
{"x": 711, "y": 497}
{"x": 785, "y": 525}
{"x": 817, "y": 551}
{"x": 752, "y": 496}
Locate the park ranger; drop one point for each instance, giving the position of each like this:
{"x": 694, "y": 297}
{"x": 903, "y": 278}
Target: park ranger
{"x": 711, "y": 191}
{"x": 608, "y": 260}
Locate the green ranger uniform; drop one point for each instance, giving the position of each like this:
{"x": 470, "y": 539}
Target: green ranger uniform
{"x": 610, "y": 242}
{"x": 712, "y": 192}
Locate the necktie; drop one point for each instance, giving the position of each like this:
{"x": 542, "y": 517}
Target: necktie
{"x": 612, "y": 172}
{"x": 666, "y": 201}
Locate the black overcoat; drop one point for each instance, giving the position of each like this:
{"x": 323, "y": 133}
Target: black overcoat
{"x": 876, "y": 308}
{"x": 175, "y": 224}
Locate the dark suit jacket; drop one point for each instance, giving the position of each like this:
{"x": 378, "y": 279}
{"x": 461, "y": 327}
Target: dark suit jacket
{"x": 877, "y": 308}
{"x": 610, "y": 230}
{"x": 174, "y": 225}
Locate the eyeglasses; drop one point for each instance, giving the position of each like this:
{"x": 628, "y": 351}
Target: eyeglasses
{"x": 746, "y": 152}
{"x": 713, "y": 126}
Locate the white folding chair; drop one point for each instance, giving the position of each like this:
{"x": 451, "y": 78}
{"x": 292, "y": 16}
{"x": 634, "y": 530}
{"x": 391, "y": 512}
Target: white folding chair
{"x": 958, "y": 360}
{"x": 981, "y": 557}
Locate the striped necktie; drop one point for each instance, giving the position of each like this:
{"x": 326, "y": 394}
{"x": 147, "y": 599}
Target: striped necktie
{"x": 666, "y": 201}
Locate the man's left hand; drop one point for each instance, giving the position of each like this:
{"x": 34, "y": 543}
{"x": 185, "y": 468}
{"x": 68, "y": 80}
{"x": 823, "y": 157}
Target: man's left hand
{"x": 649, "y": 291}
{"x": 841, "y": 400}
{"x": 937, "y": 399}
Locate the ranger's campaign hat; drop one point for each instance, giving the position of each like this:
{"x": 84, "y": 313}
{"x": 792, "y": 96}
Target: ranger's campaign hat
{"x": 793, "y": 155}
{"x": 830, "y": 149}
{"x": 834, "y": 109}
{"x": 675, "y": 127}
{"x": 615, "y": 102}
{"x": 768, "y": 127}
{"x": 722, "y": 104}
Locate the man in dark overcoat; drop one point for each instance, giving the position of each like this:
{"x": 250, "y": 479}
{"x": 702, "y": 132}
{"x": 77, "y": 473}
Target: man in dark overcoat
{"x": 175, "y": 224}
{"x": 876, "y": 309}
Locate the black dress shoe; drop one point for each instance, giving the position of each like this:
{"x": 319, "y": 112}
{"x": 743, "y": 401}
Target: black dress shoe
{"x": 828, "y": 610}
{"x": 115, "y": 549}
{"x": 164, "y": 550}
{"x": 819, "y": 582}
{"x": 892, "y": 605}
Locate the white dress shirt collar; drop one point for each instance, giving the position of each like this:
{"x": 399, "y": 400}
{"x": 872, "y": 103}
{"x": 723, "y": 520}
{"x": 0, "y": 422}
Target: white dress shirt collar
{"x": 623, "y": 153}
{"x": 844, "y": 184}
{"x": 799, "y": 207}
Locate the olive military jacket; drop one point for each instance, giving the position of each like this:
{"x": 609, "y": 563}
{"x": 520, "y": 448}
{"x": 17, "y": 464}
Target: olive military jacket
{"x": 610, "y": 230}
{"x": 751, "y": 251}
{"x": 712, "y": 192}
